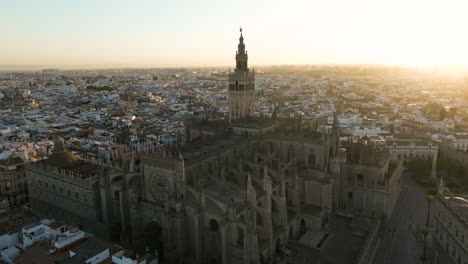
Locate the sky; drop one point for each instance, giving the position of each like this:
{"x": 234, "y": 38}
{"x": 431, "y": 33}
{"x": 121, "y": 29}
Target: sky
{"x": 161, "y": 33}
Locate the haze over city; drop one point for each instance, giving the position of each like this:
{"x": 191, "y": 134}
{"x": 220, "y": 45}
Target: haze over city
{"x": 233, "y": 132}
{"x": 74, "y": 34}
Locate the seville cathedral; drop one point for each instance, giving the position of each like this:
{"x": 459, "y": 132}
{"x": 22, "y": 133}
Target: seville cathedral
{"x": 233, "y": 191}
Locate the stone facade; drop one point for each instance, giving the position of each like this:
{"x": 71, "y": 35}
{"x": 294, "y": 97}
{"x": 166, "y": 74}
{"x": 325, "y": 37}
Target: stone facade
{"x": 240, "y": 201}
{"x": 369, "y": 180}
{"x": 449, "y": 220}
{"x": 13, "y": 186}
{"x": 65, "y": 188}
{"x": 414, "y": 149}
{"x": 70, "y": 194}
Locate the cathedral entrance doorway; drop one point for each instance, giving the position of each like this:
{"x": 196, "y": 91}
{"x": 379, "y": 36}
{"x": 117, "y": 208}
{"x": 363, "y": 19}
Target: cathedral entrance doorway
{"x": 278, "y": 245}
{"x": 213, "y": 246}
{"x": 152, "y": 238}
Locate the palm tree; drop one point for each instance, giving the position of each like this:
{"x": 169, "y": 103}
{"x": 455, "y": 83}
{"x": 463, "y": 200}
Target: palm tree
{"x": 424, "y": 231}
{"x": 429, "y": 199}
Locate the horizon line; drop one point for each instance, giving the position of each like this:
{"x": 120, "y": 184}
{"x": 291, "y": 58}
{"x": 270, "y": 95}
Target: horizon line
{"x": 68, "y": 67}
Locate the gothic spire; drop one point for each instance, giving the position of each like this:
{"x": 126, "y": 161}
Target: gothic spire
{"x": 441, "y": 185}
{"x": 241, "y": 46}
{"x": 249, "y": 181}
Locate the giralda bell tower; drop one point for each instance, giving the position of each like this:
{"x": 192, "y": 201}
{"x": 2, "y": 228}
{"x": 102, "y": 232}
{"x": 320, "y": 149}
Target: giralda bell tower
{"x": 241, "y": 86}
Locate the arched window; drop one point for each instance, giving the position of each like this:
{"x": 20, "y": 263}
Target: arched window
{"x": 360, "y": 178}
{"x": 189, "y": 178}
{"x": 240, "y": 238}
{"x": 262, "y": 259}
{"x": 330, "y": 157}
{"x": 210, "y": 169}
{"x": 259, "y": 219}
{"x": 278, "y": 244}
{"x": 242, "y": 219}
{"x": 246, "y": 168}
{"x": 290, "y": 152}
{"x": 312, "y": 158}
{"x": 214, "y": 226}
{"x": 303, "y": 225}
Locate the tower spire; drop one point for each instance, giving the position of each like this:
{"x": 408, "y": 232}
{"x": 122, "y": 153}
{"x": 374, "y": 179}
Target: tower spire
{"x": 241, "y": 85}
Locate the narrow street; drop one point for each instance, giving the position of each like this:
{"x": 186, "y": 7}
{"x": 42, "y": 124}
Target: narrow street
{"x": 399, "y": 242}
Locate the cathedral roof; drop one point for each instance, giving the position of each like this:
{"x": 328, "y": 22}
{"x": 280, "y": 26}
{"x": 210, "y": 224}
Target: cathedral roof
{"x": 315, "y": 175}
{"x": 459, "y": 203}
{"x": 198, "y": 149}
{"x": 253, "y": 122}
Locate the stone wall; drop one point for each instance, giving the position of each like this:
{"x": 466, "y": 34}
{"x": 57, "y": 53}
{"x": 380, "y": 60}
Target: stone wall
{"x": 371, "y": 243}
{"x": 13, "y": 187}
{"x": 65, "y": 195}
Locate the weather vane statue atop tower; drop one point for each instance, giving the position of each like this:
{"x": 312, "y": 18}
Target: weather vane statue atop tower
{"x": 241, "y": 85}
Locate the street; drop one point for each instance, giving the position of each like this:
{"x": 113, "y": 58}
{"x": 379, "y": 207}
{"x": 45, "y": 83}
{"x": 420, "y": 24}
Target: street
{"x": 398, "y": 242}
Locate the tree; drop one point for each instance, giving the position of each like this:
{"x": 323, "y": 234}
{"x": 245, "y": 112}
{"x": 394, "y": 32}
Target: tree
{"x": 421, "y": 171}
{"x": 424, "y": 231}
{"x": 442, "y": 114}
{"x": 429, "y": 199}
{"x": 447, "y": 191}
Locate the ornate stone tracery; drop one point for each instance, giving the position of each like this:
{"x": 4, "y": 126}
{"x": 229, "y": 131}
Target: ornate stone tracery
{"x": 159, "y": 186}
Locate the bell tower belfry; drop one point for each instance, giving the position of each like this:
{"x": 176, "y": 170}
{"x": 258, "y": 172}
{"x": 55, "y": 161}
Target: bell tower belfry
{"x": 241, "y": 85}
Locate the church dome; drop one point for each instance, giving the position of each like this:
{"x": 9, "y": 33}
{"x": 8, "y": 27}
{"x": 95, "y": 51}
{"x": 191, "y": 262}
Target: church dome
{"x": 61, "y": 158}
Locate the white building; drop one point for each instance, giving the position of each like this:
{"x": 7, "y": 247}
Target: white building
{"x": 411, "y": 149}
{"x": 460, "y": 142}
